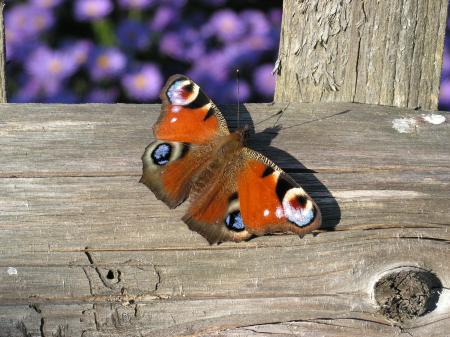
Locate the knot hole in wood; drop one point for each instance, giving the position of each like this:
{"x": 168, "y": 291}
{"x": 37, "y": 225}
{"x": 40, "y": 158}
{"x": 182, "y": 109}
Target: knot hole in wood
{"x": 406, "y": 293}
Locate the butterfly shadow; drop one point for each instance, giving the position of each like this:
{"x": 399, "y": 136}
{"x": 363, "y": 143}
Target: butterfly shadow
{"x": 261, "y": 141}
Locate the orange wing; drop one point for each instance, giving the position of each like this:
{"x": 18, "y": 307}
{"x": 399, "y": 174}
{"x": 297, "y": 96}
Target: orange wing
{"x": 214, "y": 205}
{"x": 271, "y": 201}
{"x": 188, "y": 114}
{"x": 187, "y": 128}
{"x": 250, "y": 196}
{"x": 169, "y": 169}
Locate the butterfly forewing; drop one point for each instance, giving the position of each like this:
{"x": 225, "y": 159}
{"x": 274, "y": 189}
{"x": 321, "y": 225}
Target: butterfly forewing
{"x": 188, "y": 114}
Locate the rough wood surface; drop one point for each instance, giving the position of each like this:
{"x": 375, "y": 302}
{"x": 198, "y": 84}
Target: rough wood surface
{"x": 88, "y": 251}
{"x": 376, "y": 52}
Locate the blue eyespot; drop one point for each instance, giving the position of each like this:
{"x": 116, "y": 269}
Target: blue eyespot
{"x": 234, "y": 221}
{"x": 161, "y": 154}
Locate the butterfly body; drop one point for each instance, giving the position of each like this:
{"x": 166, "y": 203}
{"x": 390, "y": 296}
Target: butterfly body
{"x": 234, "y": 192}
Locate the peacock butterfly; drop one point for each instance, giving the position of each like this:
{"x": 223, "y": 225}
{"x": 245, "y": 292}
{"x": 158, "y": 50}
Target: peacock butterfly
{"x": 235, "y": 193}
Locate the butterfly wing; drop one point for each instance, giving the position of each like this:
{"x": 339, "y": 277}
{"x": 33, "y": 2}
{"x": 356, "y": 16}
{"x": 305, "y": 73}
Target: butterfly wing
{"x": 186, "y": 131}
{"x": 214, "y": 206}
{"x": 169, "y": 169}
{"x": 188, "y": 115}
{"x": 251, "y": 196}
{"x": 271, "y": 201}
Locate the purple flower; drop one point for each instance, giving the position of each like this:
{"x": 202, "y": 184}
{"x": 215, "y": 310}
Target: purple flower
{"x": 444, "y": 95}
{"x": 92, "y": 9}
{"x": 229, "y": 95}
{"x": 227, "y": 25}
{"x": 208, "y": 44}
{"x": 28, "y": 92}
{"x": 256, "y": 22}
{"x": 446, "y": 59}
{"x": 193, "y": 44}
{"x": 45, "y": 63}
{"x": 145, "y": 84}
{"x": 214, "y": 66}
{"x": 26, "y": 22}
{"x": 19, "y": 52}
{"x": 241, "y": 55}
{"x": 78, "y": 50}
{"x": 264, "y": 81}
{"x": 46, "y": 3}
{"x": 98, "y": 95}
{"x": 163, "y": 17}
{"x": 258, "y": 44}
{"x": 106, "y": 63}
{"x": 170, "y": 44}
{"x": 185, "y": 45}
{"x": 133, "y": 35}
{"x": 135, "y": 4}
{"x": 50, "y": 68}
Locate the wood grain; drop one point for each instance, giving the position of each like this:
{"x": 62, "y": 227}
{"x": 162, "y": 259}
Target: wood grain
{"x": 88, "y": 251}
{"x": 375, "y": 52}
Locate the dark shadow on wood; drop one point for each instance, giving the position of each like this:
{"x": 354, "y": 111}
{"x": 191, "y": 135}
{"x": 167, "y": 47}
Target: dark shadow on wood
{"x": 261, "y": 141}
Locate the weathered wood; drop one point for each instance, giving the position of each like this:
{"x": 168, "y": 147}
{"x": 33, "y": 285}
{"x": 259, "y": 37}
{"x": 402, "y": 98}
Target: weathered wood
{"x": 2, "y": 55}
{"x": 88, "y": 251}
{"x": 376, "y": 52}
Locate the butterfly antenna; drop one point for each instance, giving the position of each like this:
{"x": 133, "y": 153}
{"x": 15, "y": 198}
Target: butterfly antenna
{"x": 237, "y": 86}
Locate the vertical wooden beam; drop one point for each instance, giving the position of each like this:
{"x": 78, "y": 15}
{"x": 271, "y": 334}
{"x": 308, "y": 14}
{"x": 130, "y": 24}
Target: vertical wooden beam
{"x": 2, "y": 55}
{"x": 376, "y": 52}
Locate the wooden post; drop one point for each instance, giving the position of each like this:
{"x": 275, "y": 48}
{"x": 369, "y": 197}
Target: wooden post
{"x": 2, "y": 55}
{"x": 376, "y": 52}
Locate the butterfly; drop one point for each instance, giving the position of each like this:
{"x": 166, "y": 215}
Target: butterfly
{"x": 234, "y": 192}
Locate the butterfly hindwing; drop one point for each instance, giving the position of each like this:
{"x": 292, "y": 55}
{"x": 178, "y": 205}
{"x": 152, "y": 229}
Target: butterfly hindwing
{"x": 214, "y": 204}
{"x": 188, "y": 114}
{"x": 169, "y": 169}
{"x": 271, "y": 201}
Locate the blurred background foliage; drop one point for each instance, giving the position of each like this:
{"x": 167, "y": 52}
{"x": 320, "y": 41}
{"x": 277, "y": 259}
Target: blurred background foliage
{"x": 123, "y": 50}
{"x": 444, "y": 97}
{"x": 75, "y": 51}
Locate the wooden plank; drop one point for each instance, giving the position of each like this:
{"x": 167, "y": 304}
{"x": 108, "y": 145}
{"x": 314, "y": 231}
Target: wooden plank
{"x": 117, "y": 212}
{"x": 265, "y": 268}
{"x": 88, "y": 251}
{"x": 375, "y": 52}
{"x": 102, "y": 140}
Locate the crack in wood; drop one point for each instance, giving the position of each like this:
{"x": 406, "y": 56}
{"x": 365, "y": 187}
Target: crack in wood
{"x": 105, "y": 281}
{"x": 329, "y": 321}
{"x": 158, "y": 276}
{"x": 41, "y": 327}
{"x": 425, "y": 238}
{"x": 35, "y": 307}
